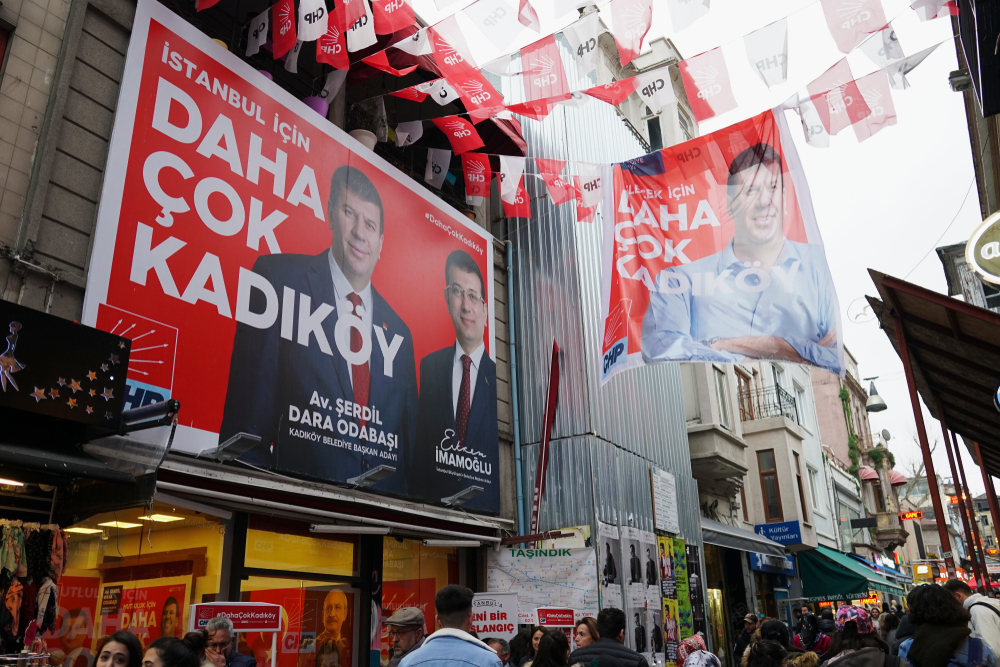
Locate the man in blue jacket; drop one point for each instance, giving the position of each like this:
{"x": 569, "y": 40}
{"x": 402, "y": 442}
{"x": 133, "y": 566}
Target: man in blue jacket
{"x": 330, "y": 387}
{"x": 453, "y": 644}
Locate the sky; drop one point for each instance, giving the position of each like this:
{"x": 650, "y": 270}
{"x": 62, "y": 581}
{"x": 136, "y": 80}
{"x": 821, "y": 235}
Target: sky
{"x": 884, "y": 204}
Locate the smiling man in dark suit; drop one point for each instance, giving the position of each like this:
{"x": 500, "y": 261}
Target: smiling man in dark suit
{"x": 457, "y": 427}
{"x": 330, "y": 386}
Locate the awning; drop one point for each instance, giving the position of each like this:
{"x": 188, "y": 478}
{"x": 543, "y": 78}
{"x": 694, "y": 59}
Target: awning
{"x": 896, "y": 478}
{"x": 830, "y": 575}
{"x": 867, "y": 474}
{"x": 722, "y": 535}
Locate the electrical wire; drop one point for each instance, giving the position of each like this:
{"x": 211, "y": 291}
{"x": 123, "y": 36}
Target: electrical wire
{"x": 935, "y": 244}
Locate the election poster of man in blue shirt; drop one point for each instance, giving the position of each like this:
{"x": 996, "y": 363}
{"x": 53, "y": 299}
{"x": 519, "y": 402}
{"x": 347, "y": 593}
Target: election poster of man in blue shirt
{"x": 714, "y": 255}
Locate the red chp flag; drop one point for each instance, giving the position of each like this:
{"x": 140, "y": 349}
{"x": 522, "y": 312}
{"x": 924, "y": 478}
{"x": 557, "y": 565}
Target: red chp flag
{"x": 461, "y": 133}
{"x": 520, "y": 207}
{"x": 354, "y": 10}
{"x": 583, "y": 214}
{"x": 527, "y": 16}
{"x": 838, "y": 101}
{"x": 631, "y": 20}
{"x": 283, "y": 20}
{"x": 877, "y": 94}
{"x": 477, "y": 177}
{"x": 548, "y": 419}
{"x": 560, "y": 191}
{"x": 706, "y": 81}
{"x": 543, "y": 74}
{"x": 332, "y": 47}
{"x": 392, "y": 15}
{"x": 613, "y": 93}
{"x": 851, "y": 21}
{"x": 380, "y": 61}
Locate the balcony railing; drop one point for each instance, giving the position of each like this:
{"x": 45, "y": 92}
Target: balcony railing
{"x": 769, "y": 402}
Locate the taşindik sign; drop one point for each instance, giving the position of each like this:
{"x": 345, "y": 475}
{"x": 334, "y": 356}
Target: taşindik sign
{"x": 786, "y": 532}
{"x": 246, "y": 616}
{"x": 698, "y": 238}
{"x": 285, "y": 283}
{"x": 982, "y": 252}
{"x": 558, "y": 578}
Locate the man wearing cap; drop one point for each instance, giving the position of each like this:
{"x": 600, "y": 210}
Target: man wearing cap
{"x": 406, "y": 632}
{"x": 749, "y": 626}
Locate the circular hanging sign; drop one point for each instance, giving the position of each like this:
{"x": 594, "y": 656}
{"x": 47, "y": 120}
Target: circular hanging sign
{"x": 982, "y": 252}
{"x": 996, "y": 399}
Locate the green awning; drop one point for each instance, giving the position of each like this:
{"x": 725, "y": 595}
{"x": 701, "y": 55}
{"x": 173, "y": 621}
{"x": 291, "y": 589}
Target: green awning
{"x": 830, "y": 575}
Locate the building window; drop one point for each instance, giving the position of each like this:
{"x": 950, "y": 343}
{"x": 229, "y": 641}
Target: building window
{"x": 653, "y": 127}
{"x": 685, "y": 125}
{"x": 800, "y": 400}
{"x": 769, "y": 486}
{"x": 802, "y": 492}
{"x": 986, "y": 520}
{"x": 814, "y": 485}
{"x": 722, "y": 393}
{"x": 778, "y": 375}
{"x": 746, "y": 398}
{"x": 879, "y": 498}
{"x": 743, "y": 497}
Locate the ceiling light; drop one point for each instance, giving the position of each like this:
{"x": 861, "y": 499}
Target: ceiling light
{"x": 350, "y": 530}
{"x": 162, "y": 518}
{"x": 10, "y": 482}
{"x": 452, "y": 543}
{"x": 83, "y": 531}
{"x": 119, "y": 524}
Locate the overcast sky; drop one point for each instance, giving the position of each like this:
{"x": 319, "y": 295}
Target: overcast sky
{"x": 883, "y": 204}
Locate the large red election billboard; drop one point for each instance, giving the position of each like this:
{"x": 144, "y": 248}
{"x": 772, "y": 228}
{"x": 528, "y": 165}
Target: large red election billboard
{"x": 285, "y": 283}
{"x": 712, "y": 253}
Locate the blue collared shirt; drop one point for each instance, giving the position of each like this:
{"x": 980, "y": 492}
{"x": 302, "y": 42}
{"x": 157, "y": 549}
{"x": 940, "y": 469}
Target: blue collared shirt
{"x": 720, "y": 296}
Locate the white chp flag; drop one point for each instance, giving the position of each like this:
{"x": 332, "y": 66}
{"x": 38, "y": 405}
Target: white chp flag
{"x": 511, "y": 171}
{"x": 767, "y": 50}
{"x": 438, "y": 161}
{"x": 582, "y": 37}
{"x": 408, "y": 133}
{"x": 292, "y": 58}
{"x": 685, "y": 12}
{"x": 440, "y": 91}
{"x": 812, "y": 123}
{"x": 655, "y": 88}
{"x": 361, "y": 35}
{"x": 883, "y": 48}
{"x": 591, "y": 176}
{"x": 897, "y": 71}
{"x": 334, "y": 82}
{"x": 497, "y": 20}
{"x": 312, "y": 20}
{"x": 257, "y": 33}
{"x": 417, "y": 44}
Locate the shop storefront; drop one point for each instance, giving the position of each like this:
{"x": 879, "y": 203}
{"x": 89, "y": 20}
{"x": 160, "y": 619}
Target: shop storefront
{"x": 831, "y": 576}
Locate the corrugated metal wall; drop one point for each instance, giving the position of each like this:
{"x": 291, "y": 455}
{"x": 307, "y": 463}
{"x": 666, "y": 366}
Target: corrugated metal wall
{"x": 604, "y": 439}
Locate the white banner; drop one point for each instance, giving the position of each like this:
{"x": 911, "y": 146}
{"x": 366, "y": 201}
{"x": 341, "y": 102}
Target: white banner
{"x": 582, "y": 38}
{"x": 495, "y": 615}
{"x": 655, "y": 88}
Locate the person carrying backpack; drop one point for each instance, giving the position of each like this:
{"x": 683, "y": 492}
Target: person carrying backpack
{"x": 942, "y": 637}
{"x": 985, "y": 623}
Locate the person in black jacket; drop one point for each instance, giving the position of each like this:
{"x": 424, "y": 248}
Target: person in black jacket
{"x": 749, "y": 626}
{"x": 611, "y": 627}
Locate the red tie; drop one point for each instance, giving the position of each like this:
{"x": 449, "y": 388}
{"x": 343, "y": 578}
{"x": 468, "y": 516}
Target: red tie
{"x": 462, "y": 414}
{"x": 360, "y": 375}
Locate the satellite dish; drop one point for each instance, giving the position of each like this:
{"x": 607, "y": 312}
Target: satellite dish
{"x": 885, "y": 435}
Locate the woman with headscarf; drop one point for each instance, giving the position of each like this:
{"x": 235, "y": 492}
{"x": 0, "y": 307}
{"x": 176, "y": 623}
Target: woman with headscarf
{"x": 856, "y": 644}
{"x": 941, "y": 638}
{"x": 811, "y": 638}
{"x": 689, "y": 646}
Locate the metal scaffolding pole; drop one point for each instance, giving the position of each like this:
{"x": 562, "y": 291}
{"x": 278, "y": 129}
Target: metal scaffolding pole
{"x": 969, "y": 540}
{"x": 972, "y": 518}
{"x": 991, "y": 497}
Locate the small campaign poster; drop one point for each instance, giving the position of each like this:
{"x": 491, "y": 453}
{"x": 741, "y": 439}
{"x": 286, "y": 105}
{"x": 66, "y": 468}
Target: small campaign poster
{"x": 665, "y": 561}
{"x": 671, "y": 630}
{"x": 73, "y": 637}
{"x": 149, "y": 608}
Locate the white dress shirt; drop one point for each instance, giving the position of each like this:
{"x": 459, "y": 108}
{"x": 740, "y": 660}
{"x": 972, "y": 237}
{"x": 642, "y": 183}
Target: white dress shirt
{"x": 456, "y": 374}
{"x": 341, "y": 288}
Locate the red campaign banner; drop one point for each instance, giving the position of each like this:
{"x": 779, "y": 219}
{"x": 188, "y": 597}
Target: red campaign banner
{"x": 548, "y": 419}
{"x": 246, "y": 616}
{"x": 460, "y": 132}
{"x": 316, "y": 621}
{"x": 478, "y": 95}
{"x": 719, "y": 263}
{"x": 392, "y": 15}
{"x": 354, "y": 10}
{"x": 73, "y": 638}
{"x": 332, "y": 46}
{"x": 283, "y": 27}
{"x": 536, "y": 110}
{"x": 148, "y": 609}
{"x": 521, "y": 208}
{"x": 476, "y": 167}
{"x": 285, "y": 283}
{"x": 543, "y": 74}
{"x": 706, "y": 81}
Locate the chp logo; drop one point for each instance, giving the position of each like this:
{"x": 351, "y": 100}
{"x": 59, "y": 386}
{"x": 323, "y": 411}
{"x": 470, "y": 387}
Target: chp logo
{"x": 543, "y": 72}
{"x": 285, "y": 20}
{"x": 475, "y": 172}
{"x": 458, "y": 129}
{"x": 705, "y": 81}
{"x": 873, "y": 100}
{"x": 635, "y": 21}
{"x": 393, "y": 6}
{"x": 331, "y": 45}
{"x": 260, "y": 28}
{"x": 853, "y": 13}
{"x": 495, "y": 18}
{"x": 315, "y": 15}
{"x": 448, "y": 53}
{"x": 652, "y": 88}
{"x": 476, "y": 92}
{"x": 616, "y": 337}
{"x": 775, "y": 61}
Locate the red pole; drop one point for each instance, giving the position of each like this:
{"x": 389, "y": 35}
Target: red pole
{"x": 972, "y": 518}
{"x": 991, "y": 497}
{"x": 961, "y": 499}
{"x": 925, "y": 450}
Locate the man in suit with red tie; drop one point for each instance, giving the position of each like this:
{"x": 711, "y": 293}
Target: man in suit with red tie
{"x": 330, "y": 388}
{"x": 457, "y": 424}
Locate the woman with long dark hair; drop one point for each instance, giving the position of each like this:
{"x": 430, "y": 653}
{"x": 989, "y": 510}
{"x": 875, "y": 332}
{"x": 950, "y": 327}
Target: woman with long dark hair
{"x": 942, "y": 632}
{"x": 122, "y": 649}
{"x": 811, "y": 638}
{"x": 173, "y": 652}
{"x": 552, "y": 651}
{"x": 765, "y": 653}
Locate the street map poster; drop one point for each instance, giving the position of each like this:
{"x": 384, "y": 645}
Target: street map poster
{"x": 712, "y": 253}
{"x": 288, "y": 286}
{"x": 565, "y": 578}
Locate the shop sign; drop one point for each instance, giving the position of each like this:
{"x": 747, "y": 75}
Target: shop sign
{"x": 982, "y": 252}
{"x": 495, "y": 615}
{"x": 54, "y": 367}
{"x": 992, "y": 551}
{"x": 289, "y": 287}
{"x": 993, "y": 568}
{"x": 787, "y": 532}
{"x": 555, "y": 617}
{"x": 871, "y": 599}
{"x": 907, "y": 516}
{"x": 923, "y": 571}
{"x": 773, "y": 564}
{"x": 246, "y": 616}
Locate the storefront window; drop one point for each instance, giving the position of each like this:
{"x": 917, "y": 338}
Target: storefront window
{"x": 137, "y": 570}
{"x": 275, "y": 544}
